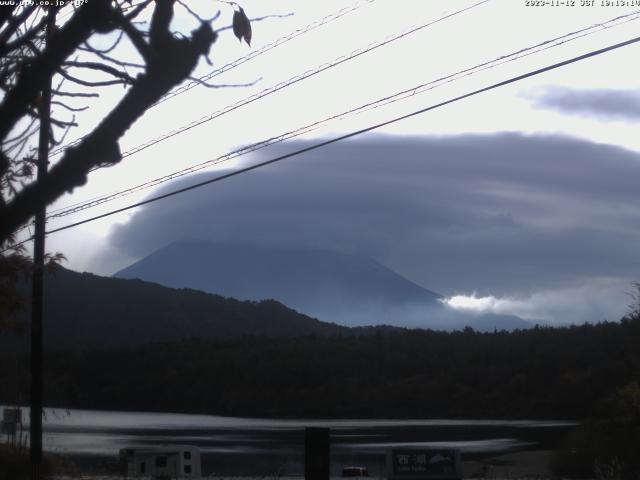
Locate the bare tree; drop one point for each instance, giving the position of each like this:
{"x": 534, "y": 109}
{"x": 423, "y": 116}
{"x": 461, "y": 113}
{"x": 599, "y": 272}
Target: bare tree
{"x": 27, "y": 62}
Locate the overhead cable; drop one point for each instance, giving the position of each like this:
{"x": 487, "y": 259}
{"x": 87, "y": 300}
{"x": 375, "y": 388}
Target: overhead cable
{"x": 250, "y": 56}
{"x": 401, "y": 95}
{"x": 346, "y": 136}
{"x": 292, "y": 81}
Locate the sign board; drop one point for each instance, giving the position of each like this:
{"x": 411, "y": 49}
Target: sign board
{"x": 423, "y": 464}
{"x": 12, "y": 415}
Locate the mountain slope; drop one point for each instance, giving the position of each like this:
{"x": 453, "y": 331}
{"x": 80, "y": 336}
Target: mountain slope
{"x": 347, "y": 289}
{"x": 87, "y": 311}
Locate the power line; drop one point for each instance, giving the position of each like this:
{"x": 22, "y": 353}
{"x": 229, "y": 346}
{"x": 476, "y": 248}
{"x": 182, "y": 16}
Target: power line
{"x": 525, "y": 52}
{"x": 296, "y": 79}
{"x": 349, "y": 135}
{"x": 296, "y": 33}
{"x": 292, "y": 81}
{"x": 552, "y": 43}
{"x": 250, "y": 56}
{"x": 275, "y": 88}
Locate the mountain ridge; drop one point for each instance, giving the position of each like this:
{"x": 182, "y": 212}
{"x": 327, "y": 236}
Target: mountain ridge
{"x": 348, "y": 289}
{"x": 87, "y": 311}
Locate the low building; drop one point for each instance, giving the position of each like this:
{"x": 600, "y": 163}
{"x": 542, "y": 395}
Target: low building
{"x": 166, "y": 461}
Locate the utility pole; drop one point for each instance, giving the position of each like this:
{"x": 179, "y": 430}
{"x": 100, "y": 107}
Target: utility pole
{"x": 37, "y": 290}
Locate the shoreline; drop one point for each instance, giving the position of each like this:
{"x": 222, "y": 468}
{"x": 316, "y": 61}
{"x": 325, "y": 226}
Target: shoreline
{"x": 528, "y": 464}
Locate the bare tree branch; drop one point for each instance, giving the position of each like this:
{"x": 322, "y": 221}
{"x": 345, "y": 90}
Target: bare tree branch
{"x": 192, "y": 13}
{"x": 23, "y": 39}
{"x": 170, "y": 63}
{"x": 67, "y": 107}
{"x": 14, "y": 24}
{"x": 159, "y": 32}
{"x": 223, "y": 85}
{"x": 135, "y": 36}
{"x": 101, "y": 67}
{"x": 5, "y": 14}
{"x": 115, "y": 61}
{"x": 137, "y": 10}
{"x": 92, "y": 16}
{"x": 22, "y": 133}
{"x": 90, "y": 48}
{"x": 98, "y": 83}
{"x": 64, "y": 123}
{"x": 75, "y": 94}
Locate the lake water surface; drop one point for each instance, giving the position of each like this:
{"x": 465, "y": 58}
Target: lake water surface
{"x": 248, "y": 446}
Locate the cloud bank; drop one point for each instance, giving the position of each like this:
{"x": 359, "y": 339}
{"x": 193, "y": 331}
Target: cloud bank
{"x": 507, "y": 214}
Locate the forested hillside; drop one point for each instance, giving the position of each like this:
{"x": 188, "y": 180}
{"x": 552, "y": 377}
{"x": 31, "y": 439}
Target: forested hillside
{"x": 539, "y": 373}
{"x": 85, "y": 311}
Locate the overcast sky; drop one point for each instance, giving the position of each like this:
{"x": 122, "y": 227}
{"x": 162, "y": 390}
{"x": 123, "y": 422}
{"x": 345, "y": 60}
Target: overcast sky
{"x": 522, "y": 200}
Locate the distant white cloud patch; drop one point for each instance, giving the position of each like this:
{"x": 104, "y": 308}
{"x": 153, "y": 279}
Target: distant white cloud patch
{"x": 599, "y": 300}
{"x": 473, "y": 303}
{"x": 604, "y": 104}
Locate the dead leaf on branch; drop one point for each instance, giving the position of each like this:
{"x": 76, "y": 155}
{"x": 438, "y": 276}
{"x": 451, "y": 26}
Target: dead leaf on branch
{"x": 242, "y": 26}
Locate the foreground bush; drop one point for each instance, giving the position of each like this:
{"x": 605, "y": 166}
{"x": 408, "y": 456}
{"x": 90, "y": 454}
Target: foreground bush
{"x": 607, "y": 446}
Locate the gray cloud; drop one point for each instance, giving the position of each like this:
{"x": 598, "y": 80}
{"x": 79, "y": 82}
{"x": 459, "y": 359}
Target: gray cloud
{"x": 600, "y": 103}
{"x": 503, "y": 214}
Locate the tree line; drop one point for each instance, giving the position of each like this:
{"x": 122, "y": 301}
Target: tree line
{"x": 544, "y": 372}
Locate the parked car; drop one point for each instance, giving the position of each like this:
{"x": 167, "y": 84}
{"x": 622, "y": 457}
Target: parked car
{"x": 355, "y": 472}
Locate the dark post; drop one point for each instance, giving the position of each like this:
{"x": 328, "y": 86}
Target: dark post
{"x": 316, "y": 454}
{"x": 35, "y": 432}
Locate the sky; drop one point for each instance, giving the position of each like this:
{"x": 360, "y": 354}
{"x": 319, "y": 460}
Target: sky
{"x": 520, "y": 200}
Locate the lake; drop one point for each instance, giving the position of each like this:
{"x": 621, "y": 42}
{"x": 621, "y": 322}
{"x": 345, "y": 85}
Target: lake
{"x": 249, "y": 446}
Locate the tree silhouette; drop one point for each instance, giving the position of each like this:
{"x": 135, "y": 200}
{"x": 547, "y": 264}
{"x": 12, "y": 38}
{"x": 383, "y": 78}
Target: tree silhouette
{"x": 27, "y": 63}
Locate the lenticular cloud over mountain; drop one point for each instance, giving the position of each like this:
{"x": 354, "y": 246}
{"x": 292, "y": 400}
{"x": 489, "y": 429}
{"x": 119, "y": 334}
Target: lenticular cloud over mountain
{"x": 519, "y": 219}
